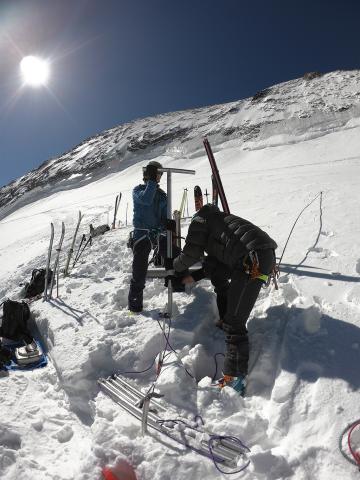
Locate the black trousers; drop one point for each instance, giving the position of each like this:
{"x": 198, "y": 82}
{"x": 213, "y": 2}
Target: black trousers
{"x": 235, "y": 300}
{"x": 141, "y": 252}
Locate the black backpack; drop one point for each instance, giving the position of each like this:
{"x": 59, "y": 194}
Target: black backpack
{"x": 37, "y": 282}
{"x": 100, "y": 230}
{"x": 15, "y": 320}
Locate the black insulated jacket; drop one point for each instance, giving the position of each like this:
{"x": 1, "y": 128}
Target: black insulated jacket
{"x": 228, "y": 238}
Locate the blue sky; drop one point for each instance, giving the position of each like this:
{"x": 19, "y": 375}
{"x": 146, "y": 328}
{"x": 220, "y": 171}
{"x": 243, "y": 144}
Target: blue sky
{"x": 116, "y": 60}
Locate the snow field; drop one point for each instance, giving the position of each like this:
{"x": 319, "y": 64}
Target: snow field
{"x": 305, "y": 338}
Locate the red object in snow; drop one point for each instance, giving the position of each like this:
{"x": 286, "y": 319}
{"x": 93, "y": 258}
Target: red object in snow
{"x": 121, "y": 471}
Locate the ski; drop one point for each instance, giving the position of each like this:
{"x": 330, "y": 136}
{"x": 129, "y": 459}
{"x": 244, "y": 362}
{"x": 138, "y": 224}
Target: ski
{"x": 153, "y": 414}
{"x": 183, "y": 203}
{"x": 216, "y": 176}
{"x": 215, "y": 193}
{"x": 71, "y": 251}
{"x": 117, "y": 203}
{"x": 57, "y": 258}
{"x": 198, "y": 198}
{"x": 48, "y": 263}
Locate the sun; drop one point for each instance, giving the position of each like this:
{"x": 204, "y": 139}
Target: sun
{"x": 35, "y": 71}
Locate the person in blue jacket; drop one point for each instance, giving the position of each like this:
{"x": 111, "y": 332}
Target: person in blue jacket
{"x": 150, "y": 213}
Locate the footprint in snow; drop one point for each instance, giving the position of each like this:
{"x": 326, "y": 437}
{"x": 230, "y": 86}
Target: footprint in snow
{"x": 64, "y": 434}
{"x": 327, "y": 233}
{"x": 100, "y": 298}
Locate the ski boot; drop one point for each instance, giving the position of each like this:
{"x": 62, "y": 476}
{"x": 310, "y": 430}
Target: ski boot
{"x": 236, "y": 383}
{"x": 135, "y": 303}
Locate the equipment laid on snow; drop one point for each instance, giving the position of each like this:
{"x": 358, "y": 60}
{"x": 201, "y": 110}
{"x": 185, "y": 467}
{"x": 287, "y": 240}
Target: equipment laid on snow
{"x": 355, "y": 460}
{"x": 15, "y": 319}
{"x": 198, "y": 198}
{"x": 117, "y": 203}
{"x": 24, "y": 356}
{"x": 71, "y": 251}
{"x": 216, "y": 176}
{"x": 226, "y": 451}
{"x": 36, "y": 286}
{"x": 121, "y": 471}
{"x": 30, "y": 353}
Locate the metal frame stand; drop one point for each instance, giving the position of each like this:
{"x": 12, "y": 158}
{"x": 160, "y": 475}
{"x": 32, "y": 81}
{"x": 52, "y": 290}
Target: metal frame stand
{"x": 169, "y": 172}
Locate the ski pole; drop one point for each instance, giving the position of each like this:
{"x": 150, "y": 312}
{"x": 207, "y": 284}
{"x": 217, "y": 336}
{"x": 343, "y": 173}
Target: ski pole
{"x": 82, "y": 251}
{"x": 206, "y": 195}
{"x": 71, "y": 251}
{"x": 83, "y": 239}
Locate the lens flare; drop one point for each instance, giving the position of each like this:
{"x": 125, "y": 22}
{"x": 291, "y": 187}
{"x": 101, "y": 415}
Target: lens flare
{"x": 34, "y": 70}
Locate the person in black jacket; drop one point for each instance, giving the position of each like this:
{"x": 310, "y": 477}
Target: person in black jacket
{"x": 237, "y": 251}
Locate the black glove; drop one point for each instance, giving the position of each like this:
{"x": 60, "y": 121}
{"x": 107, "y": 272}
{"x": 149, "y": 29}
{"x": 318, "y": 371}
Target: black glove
{"x": 181, "y": 275}
{"x": 170, "y": 224}
{"x": 176, "y": 283}
{"x": 151, "y": 172}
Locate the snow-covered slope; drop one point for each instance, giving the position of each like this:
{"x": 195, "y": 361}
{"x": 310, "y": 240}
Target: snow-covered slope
{"x": 335, "y": 96}
{"x": 287, "y": 145}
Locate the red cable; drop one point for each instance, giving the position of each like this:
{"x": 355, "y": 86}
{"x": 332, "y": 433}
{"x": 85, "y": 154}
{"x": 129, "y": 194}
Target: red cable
{"x": 356, "y": 455}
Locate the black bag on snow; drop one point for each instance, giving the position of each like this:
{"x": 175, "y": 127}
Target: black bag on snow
{"x": 100, "y": 230}
{"x": 15, "y": 321}
{"x": 37, "y": 282}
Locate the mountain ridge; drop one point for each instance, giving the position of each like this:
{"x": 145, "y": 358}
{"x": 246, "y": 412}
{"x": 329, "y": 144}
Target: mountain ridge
{"x": 177, "y": 133}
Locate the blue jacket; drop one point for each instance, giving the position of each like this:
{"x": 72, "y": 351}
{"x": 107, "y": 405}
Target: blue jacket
{"x": 150, "y": 208}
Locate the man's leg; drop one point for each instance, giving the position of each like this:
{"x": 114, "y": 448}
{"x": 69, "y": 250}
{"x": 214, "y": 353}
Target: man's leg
{"x": 141, "y": 251}
{"x": 242, "y": 296}
{"x": 220, "y": 279}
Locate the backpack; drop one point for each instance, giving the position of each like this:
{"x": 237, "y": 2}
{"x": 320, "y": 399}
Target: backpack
{"x": 15, "y": 321}
{"x": 100, "y": 230}
{"x": 37, "y": 282}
